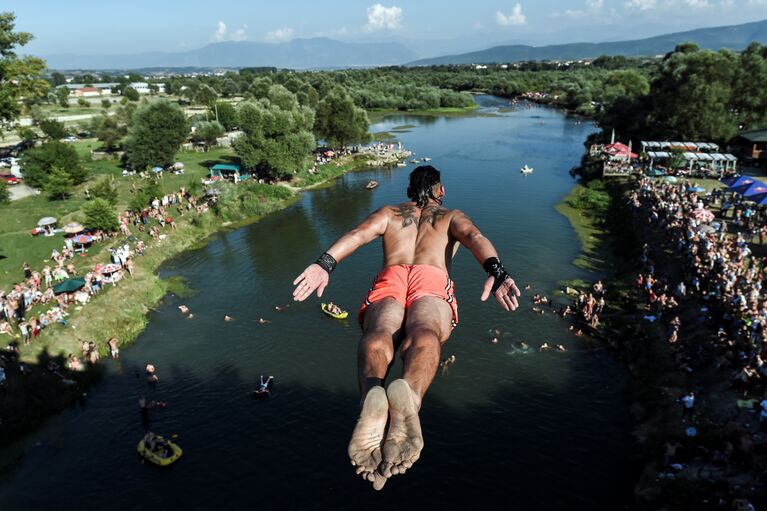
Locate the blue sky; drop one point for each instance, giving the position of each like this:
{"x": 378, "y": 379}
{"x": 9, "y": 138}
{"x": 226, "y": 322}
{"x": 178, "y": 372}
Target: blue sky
{"x": 427, "y": 26}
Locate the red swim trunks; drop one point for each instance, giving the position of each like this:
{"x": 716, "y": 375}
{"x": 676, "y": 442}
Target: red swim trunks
{"x": 407, "y": 283}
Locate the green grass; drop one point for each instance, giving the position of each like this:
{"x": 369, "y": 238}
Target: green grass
{"x": 20, "y": 217}
{"x": 590, "y": 233}
{"x": 377, "y": 115}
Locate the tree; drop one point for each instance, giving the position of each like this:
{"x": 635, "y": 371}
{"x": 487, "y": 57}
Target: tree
{"x": 38, "y": 163}
{"x": 58, "y": 79}
{"x": 20, "y": 78}
{"x": 225, "y": 113}
{"x": 26, "y": 133}
{"x": 208, "y": 132}
{"x": 153, "y": 88}
{"x": 100, "y": 214}
{"x": 83, "y": 103}
{"x": 62, "y": 96}
{"x": 109, "y": 130}
{"x": 106, "y": 189}
{"x": 53, "y": 129}
{"x": 58, "y": 184}
{"x": 131, "y": 94}
{"x": 145, "y": 195}
{"x": 339, "y": 121}
{"x": 156, "y": 134}
{"x": 5, "y": 196}
{"x": 106, "y": 104}
{"x": 205, "y": 95}
{"x": 277, "y": 136}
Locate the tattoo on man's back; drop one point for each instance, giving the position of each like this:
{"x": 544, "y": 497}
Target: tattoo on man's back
{"x": 407, "y": 213}
{"x": 432, "y": 215}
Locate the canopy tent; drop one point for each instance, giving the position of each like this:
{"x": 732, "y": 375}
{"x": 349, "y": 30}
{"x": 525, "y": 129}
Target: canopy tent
{"x": 741, "y": 189}
{"x": 618, "y": 150}
{"x": 69, "y": 285}
{"x": 652, "y": 145}
{"x": 736, "y": 182}
{"x": 45, "y": 221}
{"x": 73, "y": 228}
{"x": 220, "y": 170}
{"x": 758, "y": 188}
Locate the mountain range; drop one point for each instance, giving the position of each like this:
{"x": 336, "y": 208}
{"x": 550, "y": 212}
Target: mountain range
{"x": 735, "y": 37}
{"x": 325, "y": 53}
{"x": 314, "y": 53}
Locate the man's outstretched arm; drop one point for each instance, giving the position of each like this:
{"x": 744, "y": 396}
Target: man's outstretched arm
{"x": 317, "y": 275}
{"x": 498, "y": 282}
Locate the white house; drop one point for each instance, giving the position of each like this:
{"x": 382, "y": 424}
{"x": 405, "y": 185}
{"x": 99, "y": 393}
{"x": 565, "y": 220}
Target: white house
{"x": 143, "y": 87}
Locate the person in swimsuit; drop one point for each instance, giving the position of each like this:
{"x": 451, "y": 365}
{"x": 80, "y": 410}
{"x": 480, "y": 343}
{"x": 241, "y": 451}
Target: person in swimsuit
{"x": 411, "y": 306}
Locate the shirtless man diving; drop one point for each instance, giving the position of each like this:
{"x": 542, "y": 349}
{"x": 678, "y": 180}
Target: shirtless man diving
{"x": 411, "y": 305}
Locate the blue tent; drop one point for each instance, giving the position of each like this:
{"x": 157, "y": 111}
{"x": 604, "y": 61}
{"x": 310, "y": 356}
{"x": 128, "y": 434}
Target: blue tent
{"x": 761, "y": 200}
{"x": 222, "y": 169}
{"x": 757, "y": 188}
{"x": 735, "y": 182}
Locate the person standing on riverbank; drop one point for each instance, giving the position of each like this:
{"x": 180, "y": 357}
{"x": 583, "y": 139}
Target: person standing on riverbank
{"x": 411, "y": 305}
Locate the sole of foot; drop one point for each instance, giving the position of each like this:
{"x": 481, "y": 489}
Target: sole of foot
{"x": 365, "y": 446}
{"x": 404, "y": 441}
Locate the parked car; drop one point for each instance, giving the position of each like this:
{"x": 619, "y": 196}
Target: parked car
{"x": 10, "y": 179}
{"x": 85, "y": 134}
{"x": 70, "y": 138}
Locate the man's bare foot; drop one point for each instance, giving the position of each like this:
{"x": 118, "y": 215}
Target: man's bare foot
{"x": 404, "y": 441}
{"x": 365, "y": 445}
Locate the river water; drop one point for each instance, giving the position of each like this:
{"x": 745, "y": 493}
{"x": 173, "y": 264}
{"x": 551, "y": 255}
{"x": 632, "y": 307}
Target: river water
{"x": 526, "y": 430}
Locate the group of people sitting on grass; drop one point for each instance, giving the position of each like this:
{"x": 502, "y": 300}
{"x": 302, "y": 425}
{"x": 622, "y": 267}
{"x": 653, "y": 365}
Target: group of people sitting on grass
{"x": 721, "y": 285}
{"x": 21, "y": 318}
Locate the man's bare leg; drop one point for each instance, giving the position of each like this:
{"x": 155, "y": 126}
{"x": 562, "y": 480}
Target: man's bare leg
{"x": 382, "y": 327}
{"x": 427, "y": 327}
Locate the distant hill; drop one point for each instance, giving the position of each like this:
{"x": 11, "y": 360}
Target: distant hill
{"x": 734, "y": 37}
{"x": 312, "y": 53}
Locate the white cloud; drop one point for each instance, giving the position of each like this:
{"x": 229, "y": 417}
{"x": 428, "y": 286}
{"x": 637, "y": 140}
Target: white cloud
{"x": 515, "y": 18}
{"x": 220, "y": 34}
{"x": 642, "y": 5}
{"x": 281, "y": 34}
{"x": 384, "y": 18}
{"x": 698, "y": 4}
{"x": 757, "y": 3}
{"x": 594, "y": 4}
{"x": 593, "y": 8}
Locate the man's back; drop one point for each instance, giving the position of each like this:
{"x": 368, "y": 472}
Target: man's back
{"x": 416, "y": 235}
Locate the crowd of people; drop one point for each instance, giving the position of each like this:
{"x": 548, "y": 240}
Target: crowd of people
{"x": 33, "y": 304}
{"x": 722, "y": 278}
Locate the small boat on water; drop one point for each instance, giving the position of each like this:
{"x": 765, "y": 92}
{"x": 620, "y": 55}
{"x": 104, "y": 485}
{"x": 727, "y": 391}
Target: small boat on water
{"x": 336, "y": 315}
{"x": 413, "y": 161}
{"x": 526, "y": 170}
{"x": 402, "y": 164}
{"x": 371, "y": 185}
{"x": 169, "y": 452}
{"x": 425, "y": 158}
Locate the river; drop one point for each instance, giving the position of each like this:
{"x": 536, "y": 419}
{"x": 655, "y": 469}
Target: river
{"x": 525, "y": 430}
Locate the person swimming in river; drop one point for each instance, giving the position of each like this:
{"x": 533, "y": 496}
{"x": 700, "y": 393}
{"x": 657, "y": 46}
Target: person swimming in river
{"x": 264, "y": 389}
{"x": 412, "y": 307}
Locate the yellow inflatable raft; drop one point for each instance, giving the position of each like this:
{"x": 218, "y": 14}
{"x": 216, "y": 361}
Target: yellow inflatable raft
{"x": 175, "y": 453}
{"x": 341, "y": 315}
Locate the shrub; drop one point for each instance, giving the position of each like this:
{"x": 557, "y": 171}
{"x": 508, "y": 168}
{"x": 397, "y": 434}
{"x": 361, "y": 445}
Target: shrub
{"x": 99, "y": 214}
{"x": 58, "y": 184}
{"x": 106, "y": 189}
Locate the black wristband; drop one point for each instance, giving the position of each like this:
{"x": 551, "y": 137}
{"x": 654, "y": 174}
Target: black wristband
{"x": 327, "y": 262}
{"x": 495, "y": 269}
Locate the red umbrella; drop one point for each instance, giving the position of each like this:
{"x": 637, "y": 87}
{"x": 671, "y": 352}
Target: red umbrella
{"x": 82, "y": 239}
{"x": 703, "y": 215}
{"x": 110, "y": 268}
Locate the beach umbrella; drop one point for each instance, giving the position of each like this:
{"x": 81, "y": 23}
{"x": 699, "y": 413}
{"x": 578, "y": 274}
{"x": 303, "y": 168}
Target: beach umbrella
{"x": 110, "y": 268}
{"x": 696, "y": 189}
{"x": 705, "y": 229}
{"x": 703, "y": 215}
{"x": 156, "y": 170}
{"x": 670, "y": 179}
{"x": 73, "y": 228}
{"x": 48, "y": 220}
{"x": 69, "y": 285}
{"x": 655, "y": 173}
{"x": 178, "y": 165}
{"x": 82, "y": 239}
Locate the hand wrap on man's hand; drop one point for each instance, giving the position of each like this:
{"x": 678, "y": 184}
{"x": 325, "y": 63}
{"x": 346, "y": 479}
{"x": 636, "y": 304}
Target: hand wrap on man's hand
{"x": 495, "y": 269}
{"x": 327, "y": 262}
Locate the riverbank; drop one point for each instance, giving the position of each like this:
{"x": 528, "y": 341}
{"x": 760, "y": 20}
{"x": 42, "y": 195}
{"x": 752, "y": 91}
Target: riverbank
{"x": 680, "y": 468}
{"x": 39, "y": 385}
